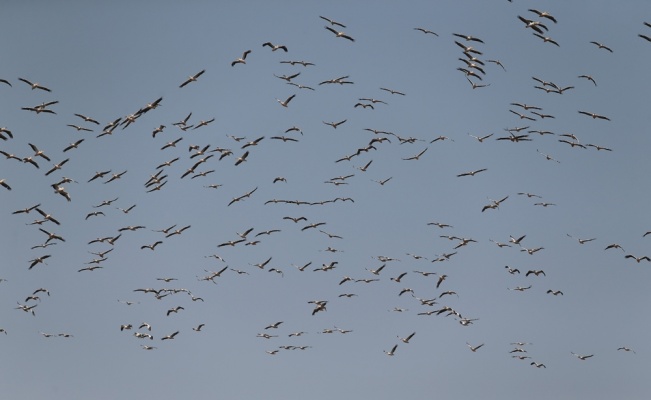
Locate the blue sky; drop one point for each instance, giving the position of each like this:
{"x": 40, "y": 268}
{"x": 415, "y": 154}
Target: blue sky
{"x": 107, "y": 61}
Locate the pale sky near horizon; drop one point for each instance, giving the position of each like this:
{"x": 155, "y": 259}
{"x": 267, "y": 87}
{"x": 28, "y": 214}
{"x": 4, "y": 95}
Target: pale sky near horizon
{"x": 363, "y": 207}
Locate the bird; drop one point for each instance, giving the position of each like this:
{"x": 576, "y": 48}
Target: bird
{"x": 581, "y": 241}
{"x": 594, "y": 116}
{"x": 73, "y": 145}
{"x": 303, "y": 86}
{"x": 638, "y": 259}
{"x": 522, "y": 116}
{"x": 526, "y": 106}
{"x": 518, "y": 240}
{"x": 192, "y": 78}
{"x": 126, "y": 210}
{"x": 275, "y": 325}
{"x": 80, "y": 128}
{"x": 468, "y": 49}
{"x": 99, "y": 174}
{"x": 468, "y": 38}
{"x": 472, "y": 173}
{"x": 171, "y": 144}
{"x": 582, "y": 357}
{"x": 174, "y": 310}
{"x": 555, "y": 292}
{"x": 391, "y": 352}
{"x": 267, "y": 232}
{"x": 262, "y": 264}
{"x": 393, "y": 91}
{"x": 474, "y": 348}
{"x": 303, "y": 63}
{"x": 254, "y": 142}
{"x": 4, "y": 184}
{"x": 417, "y": 156}
{"x": 286, "y": 102}
{"x": 590, "y": 78}
{"x": 476, "y": 85}
{"x": 376, "y": 271}
{"x": 12, "y": 156}
{"x": 115, "y": 177}
{"x": 543, "y": 14}
{"x": 614, "y": 246}
{"x": 38, "y": 153}
{"x": 340, "y": 34}
{"x": 313, "y": 225}
{"x": 34, "y": 85}
{"x": 334, "y": 124}
{"x": 535, "y": 25}
{"x": 547, "y": 39}
{"x": 203, "y": 123}
{"x": 332, "y": 22}
{"x": 38, "y": 260}
{"x": 275, "y": 47}
{"x": 497, "y": 62}
{"x": 241, "y": 60}
{"x": 573, "y": 144}
{"x": 170, "y": 336}
{"x": 382, "y": 182}
{"x": 56, "y": 167}
{"x": 535, "y": 272}
{"x": 198, "y": 328}
{"x": 626, "y": 349}
{"x": 51, "y": 236}
{"x": 470, "y": 73}
{"x": 61, "y": 191}
{"x": 178, "y": 231}
{"x": 602, "y": 46}
{"x": 426, "y": 31}
{"x": 598, "y": 147}
{"x": 242, "y": 158}
{"x": 512, "y": 271}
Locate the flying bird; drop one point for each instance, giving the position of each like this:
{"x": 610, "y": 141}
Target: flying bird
{"x": 426, "y": 31}
{"x": 286, "y": 102}
{"x": 391, "y": 352}
{"x": 593, "y": 115}
{"x": 241, "y": 60}
{"x": 332, "y": 22}
{"x": 275, "y": 47}
{"x": 334, "y": 124}
{"x": 417, "y": 156}
{"x": 472, "y": 173}
{"x": 34, "y": 85}
{"x": 588, "y": 77}
{"x": 340, "y": 34}
{"x": 544, "y": 14}
{"x": 193, "y": 78}
{"x": 638, "y": 259}
{"x": 474, "y": 348}
{"x": 535, "y": 25}
{"x": 582, "y": 357}
{"x": 602, "y": 46}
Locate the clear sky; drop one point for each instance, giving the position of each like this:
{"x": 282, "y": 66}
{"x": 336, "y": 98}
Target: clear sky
{"x": 109, "y": 60}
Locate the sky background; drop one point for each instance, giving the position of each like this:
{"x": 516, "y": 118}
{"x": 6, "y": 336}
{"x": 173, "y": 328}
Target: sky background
{"x": 108, "y": 60}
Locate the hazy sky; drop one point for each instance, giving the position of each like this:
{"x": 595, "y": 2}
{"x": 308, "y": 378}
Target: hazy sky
{"x": 365, "y": 203}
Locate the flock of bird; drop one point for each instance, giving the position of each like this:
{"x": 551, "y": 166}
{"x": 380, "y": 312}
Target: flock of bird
{"x": 206, "y": 160}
